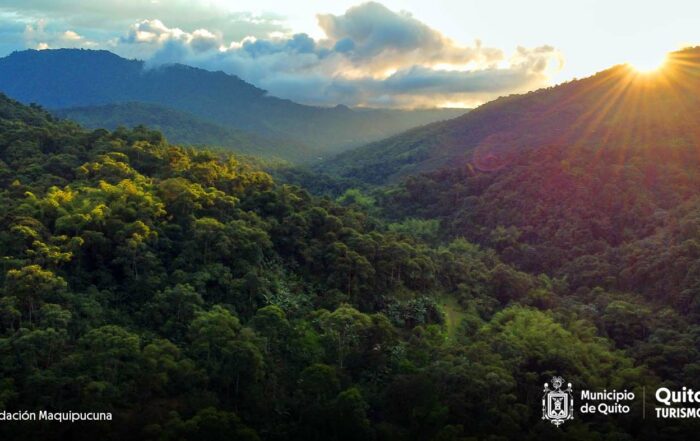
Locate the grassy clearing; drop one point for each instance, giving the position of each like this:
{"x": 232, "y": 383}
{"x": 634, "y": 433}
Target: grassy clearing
{"x": 453, "y": 314}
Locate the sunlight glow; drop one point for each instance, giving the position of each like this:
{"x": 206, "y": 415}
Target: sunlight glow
{"x": 648, "y": 64}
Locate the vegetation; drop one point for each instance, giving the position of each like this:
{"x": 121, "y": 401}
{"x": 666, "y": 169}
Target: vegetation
{"x": 618, "y": 109}
{"x": 181, "y": 128}
{"x": 195, "y": 297}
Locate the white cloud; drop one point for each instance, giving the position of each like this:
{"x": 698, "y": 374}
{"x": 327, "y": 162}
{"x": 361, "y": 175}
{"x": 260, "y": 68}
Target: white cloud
{"x": 37, "y": 36}
{"x": 101, "y": 16}
{"x": 71, "y": 36}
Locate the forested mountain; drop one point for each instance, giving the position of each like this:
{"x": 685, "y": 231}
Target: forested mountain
{"x": 618, "y": 112}
{"x": 78, "y": 78}
{"x": 195, "y": 298}
{"x": 183, "y": 128}
{"x": 608, "y": 197}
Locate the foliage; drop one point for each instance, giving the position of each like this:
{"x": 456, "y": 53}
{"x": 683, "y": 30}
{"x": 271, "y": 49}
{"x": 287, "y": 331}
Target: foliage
{"x": 194, "y": 297}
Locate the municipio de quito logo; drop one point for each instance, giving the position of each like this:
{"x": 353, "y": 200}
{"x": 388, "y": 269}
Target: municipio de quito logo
{"x": 558, "y": 404}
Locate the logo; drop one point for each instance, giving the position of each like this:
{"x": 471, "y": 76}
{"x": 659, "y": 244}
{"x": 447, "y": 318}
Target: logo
{"x": 558, "y": 404}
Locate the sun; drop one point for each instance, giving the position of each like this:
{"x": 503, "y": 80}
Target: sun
{"x": 648, "y": 64}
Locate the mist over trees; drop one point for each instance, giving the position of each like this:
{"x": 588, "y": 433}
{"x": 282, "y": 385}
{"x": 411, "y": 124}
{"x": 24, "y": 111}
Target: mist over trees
{"x": 195, "y": 106}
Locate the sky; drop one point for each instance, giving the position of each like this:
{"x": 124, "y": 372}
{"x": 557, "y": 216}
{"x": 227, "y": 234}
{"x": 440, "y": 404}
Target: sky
{"x": 393, "y": 53}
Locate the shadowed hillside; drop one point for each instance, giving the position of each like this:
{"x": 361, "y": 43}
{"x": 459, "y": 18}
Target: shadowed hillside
{"x": 617, "y": 110}
{"x": 182, "y": 128}
{"x": 596, "y": 181}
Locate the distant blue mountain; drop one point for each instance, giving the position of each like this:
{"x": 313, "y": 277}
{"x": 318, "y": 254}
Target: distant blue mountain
{"x": 64, "y": 78}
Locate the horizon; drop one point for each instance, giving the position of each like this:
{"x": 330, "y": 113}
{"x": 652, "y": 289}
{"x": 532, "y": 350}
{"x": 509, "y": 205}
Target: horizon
{"x": 391, "y": 54}
{"x": 643, "y": 69}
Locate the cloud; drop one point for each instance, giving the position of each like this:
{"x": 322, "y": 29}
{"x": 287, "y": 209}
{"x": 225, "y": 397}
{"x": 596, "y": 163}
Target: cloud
{"x": 369, "y": 56}
{"x": 418, "y": 86}
{"x": 38, "y": 37}
{"x": 203, "y": 40}
{"x": 372, "y": 35}
{"x": 101, "y": 16}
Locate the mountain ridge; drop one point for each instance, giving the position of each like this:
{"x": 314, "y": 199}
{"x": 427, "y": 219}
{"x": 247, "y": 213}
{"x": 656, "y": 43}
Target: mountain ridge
{"x": 64, "y": 78}
{"x": 585, "y": 111}
{"x": 595, "y": 182}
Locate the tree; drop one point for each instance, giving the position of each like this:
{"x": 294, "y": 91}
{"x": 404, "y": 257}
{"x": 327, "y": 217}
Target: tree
{"x": 31, "y": 286}
{"x": 173, "y": 309}
{"x": 345, "y": 327}
{"x": 208, "y": 424}
{"x": 230, "y": 352}
{"x": 270, "y": 322}
{"x": 350, "y": 411}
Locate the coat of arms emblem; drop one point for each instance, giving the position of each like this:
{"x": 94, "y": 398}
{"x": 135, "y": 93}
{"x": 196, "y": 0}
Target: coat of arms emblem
{"x": 557, "y": 404}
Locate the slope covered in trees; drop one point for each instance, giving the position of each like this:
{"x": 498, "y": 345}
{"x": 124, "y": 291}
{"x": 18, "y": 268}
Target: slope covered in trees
{"x": 66, "y": 78}
{"x": 183, "y": 128}
{"x": 619, "y": 112}
{"x": 195, "y": 298}
{"x": 609, "y": 200}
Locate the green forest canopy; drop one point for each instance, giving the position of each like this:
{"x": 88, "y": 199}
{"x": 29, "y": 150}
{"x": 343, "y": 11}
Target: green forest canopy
{"x": 196, "y": 298}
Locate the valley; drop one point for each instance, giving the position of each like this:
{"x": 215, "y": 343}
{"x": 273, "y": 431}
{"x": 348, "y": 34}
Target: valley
{"x": 417, "y": 287}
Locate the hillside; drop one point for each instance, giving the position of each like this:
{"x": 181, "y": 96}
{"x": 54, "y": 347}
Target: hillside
{"x": 78, "y": 78}
{"x": 602, "y": 189}
{"x": 192, "y": 297}
{"x": 618, "y": 109}
{"x": 182, "y": 128}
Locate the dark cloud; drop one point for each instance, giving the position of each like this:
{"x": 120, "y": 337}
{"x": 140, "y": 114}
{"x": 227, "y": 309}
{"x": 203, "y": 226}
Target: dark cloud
{"x": 375, "y": 29}
{"x": 371, "y": 32}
